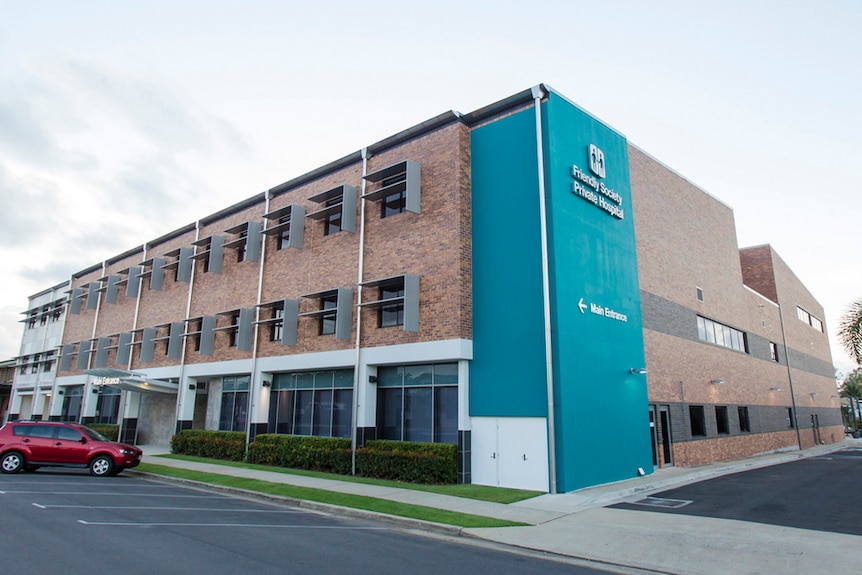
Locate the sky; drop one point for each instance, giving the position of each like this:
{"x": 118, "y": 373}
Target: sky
{"x": 121, "y": 121}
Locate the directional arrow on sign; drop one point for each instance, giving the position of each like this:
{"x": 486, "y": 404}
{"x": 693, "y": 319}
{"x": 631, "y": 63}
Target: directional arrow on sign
{"x": 581, "y": 305}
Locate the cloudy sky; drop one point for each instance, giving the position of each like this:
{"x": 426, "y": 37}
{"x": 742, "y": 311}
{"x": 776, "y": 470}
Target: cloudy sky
{"x": 120, "y": 120}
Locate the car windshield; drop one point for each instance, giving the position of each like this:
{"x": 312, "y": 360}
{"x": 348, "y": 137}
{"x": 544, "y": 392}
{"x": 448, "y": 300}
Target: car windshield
{"x": 93, "y": 434}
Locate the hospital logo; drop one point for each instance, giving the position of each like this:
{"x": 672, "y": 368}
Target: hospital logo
{"x": 597, "y": 161}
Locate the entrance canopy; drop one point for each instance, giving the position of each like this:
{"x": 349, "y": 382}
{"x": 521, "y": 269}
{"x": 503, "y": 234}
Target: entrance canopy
{"x": 129, "y": 381}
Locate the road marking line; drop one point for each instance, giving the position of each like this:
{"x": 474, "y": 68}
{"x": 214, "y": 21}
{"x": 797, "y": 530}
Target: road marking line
{"x": 662, "y": 502}
{"x": 159, "y": 508}
{"x": 232, "y": 525}
{"x": 102, "y": 494}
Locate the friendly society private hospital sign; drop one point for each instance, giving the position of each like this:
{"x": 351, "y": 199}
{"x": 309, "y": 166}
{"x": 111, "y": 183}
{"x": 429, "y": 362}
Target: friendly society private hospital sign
{"x": 590, "y": 187}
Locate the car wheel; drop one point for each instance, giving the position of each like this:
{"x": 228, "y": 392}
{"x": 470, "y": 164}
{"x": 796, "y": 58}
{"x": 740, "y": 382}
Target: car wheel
{"x": 101, "y": 466}
{"x": 12, "y": 462}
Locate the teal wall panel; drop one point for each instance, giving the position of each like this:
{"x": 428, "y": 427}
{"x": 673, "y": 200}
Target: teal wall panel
{"x": 507, "y": 374}
{"x": 601, "y": 409}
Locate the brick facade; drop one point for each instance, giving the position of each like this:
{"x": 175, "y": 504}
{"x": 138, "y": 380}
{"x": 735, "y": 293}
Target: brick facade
{"x": 689, "y": 267}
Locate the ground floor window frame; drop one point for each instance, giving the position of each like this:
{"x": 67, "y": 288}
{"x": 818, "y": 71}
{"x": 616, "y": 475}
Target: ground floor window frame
{"x": 108, "y": 405}
{"x": 234, "y": 403}
{"x": 312, "y": 403}
{"x": 418, "y": 403}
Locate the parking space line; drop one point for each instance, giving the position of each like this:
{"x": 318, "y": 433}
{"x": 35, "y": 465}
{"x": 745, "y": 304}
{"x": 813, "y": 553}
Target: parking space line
{"x": 123, "y": 494}
{"x": 161, "y": 508}
{"x": 231, "y": 525}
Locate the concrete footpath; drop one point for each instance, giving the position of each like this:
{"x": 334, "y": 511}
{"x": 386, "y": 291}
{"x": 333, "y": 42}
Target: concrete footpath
{"x": 577, "y": 524}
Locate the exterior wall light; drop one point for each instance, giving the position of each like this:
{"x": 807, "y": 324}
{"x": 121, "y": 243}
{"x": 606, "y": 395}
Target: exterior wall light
{"x": 266, "y": 383}
{"x": 814, "y": 394}
{"x": 776, "y": 389}
{"x": 717, "y": 381}
{"x": 192, "y": 386}
{"x": 638, "y": 370}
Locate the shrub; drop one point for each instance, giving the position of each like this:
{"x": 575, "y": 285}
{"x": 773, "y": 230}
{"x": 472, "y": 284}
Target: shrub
{"x": 328, "y": 454}
{"x": 410, "y": 461}
{"x": 109, "y": 430}
{"x": 229, "y": 445}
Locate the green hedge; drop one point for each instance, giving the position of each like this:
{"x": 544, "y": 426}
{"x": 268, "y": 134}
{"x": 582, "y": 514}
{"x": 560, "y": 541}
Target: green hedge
{"x": 329, "y": 454}
{"x": 109, "y": 430}
{"x": 410, "y": 461}
{"x": 398, "y": 460}
{"x": 228, "y": 445}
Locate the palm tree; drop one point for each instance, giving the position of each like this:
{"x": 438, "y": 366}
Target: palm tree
{"x": 852, "y": 390}
{"x": 850, "y": 330}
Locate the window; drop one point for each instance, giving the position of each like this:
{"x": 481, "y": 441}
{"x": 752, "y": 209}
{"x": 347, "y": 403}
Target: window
{"x": 58, "y": 311}
{"x": 744, "y": 421}
{"x": 108, "y": 405}
{"x": 276, "y": 328}
{"x": 331, "y": 309}
{"x": 396, "y": 202}
{"x": 241, "y": 247}
{"x": 68, "y": 434}
{"x": 233, "y": 330}
{"x": 696, "y": 418}
{"x": 721, "y": 423}
{"x": 327, "y": 320}
{"x": 699, "y": 292}
{"x": 397, "y": 302}
{"x": 245, "y": 239}
{"x": 312, "y": 403}
{"x": 720, "y": 334}
{"x": 34, "y": 367}
{"x": 773, "y": 352}
{"x": 195, "y": 326}
{"x": 809, "y": 319}
{"x": 210, "y": 251}
{"x": 234, "y": 403}
{"x": 32, "y": 320}
{"x": 391, "y": 313}
{"x": 43, "y": 317}
{"x": 790, "y": 419}
{"x": 24, "y": 360}
{"x": 418, "y": 403}
{"x": 338, "y": 211}
{"x": 49, "y": 362}
{"x": 398, "y": 188}
{"x": 72, "y": 403}
{"x": 283, "y": 237}
{"x": 289, "y": 231}
{"x": 332, "y": 222}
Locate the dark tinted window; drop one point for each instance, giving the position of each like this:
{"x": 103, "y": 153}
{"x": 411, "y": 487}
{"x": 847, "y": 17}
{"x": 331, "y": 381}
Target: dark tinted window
{"x": 42, "y": 431}
{"x": 68, "y": 434}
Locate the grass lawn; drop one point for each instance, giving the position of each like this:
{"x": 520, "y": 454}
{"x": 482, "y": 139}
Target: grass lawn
{"x": 478, "y": 492}
{"x": 322, "y": 496}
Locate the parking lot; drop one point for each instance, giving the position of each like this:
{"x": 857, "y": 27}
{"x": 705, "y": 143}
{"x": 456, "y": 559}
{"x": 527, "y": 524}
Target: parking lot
{"x": 816, "y": 493}
{"x": 66, "y": 521}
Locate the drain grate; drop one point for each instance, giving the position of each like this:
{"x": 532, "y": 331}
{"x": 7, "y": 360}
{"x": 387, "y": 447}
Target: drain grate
{"x": 662, "y": 502}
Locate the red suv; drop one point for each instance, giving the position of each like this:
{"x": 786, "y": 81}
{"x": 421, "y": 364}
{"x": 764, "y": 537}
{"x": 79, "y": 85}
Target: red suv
{"x": 29, "y": 445}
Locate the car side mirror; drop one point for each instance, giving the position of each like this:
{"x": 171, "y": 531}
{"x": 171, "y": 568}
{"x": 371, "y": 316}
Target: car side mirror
{"x": 82, "y": 440}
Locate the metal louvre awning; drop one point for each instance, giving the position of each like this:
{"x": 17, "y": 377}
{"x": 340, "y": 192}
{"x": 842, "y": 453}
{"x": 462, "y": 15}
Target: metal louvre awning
{"x": 129, "y": 381}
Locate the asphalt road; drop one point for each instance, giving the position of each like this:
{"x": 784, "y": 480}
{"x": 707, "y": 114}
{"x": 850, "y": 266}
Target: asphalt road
{"x": 68, "y": 522}
{"x": 820, "y": 493}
